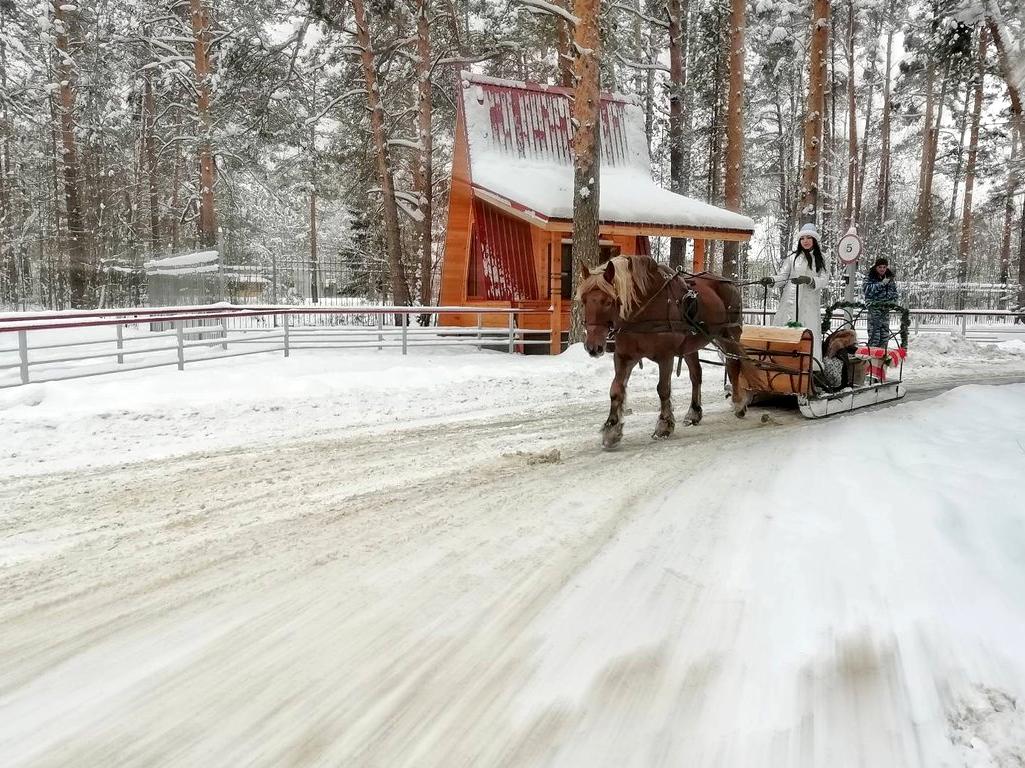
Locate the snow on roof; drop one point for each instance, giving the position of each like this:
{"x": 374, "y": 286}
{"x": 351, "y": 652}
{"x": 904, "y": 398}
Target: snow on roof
{"x": 188, "y": 263}
{"x": 519, "y": 144}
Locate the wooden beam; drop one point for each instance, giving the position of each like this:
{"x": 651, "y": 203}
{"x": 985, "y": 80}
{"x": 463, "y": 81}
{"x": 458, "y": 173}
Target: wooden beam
{"x": 699, "y": 256}
{"x": 693, "y": 233}
{"x": 555, "y": 273}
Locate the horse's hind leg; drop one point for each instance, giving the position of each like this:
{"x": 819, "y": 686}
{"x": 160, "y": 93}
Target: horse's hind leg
{"x": 666, "y": 422}
{"x": 612, "y": 429}
{"x": 694, "y": 369}
{"x": 738, "y": 388}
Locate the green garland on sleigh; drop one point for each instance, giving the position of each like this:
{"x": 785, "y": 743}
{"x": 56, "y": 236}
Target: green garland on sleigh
{"x": 889, "y": 306}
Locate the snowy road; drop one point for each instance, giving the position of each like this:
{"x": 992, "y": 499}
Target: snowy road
{"x": 419, "y": 598}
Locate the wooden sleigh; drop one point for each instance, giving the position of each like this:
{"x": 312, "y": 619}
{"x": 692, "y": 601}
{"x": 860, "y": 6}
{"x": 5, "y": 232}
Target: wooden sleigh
{"x": 783, "y": 367}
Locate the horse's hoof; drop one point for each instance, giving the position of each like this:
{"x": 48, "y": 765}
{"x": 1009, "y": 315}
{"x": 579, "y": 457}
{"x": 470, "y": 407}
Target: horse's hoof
{"x": 611, "y": 434}
{"x": 692, "y": 419}
{"x": 663, "y": 430}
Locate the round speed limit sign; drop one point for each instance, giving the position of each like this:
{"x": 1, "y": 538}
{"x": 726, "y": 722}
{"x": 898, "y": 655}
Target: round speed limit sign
{"x": 849, "y": 248}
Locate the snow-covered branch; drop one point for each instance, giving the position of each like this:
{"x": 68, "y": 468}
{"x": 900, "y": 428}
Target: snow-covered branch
{"x": 407, "y": 143}
{"x": 650, "y": 19}
{"x": 640, "y": 64}
{"x": 332, "y": 104}
{"x": 550, "y": 8}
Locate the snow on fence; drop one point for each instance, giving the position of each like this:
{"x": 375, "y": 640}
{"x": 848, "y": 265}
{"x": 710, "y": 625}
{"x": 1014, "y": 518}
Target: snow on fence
{"x": 41, "y": 347}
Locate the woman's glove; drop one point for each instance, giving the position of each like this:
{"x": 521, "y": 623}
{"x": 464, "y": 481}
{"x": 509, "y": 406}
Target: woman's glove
{"x": 801, "y": 280}
{"x": 768, "y": 282}
{"x": 885, "y": 281}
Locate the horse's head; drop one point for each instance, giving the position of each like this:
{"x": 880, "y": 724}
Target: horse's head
{"x": 597, "y": 296}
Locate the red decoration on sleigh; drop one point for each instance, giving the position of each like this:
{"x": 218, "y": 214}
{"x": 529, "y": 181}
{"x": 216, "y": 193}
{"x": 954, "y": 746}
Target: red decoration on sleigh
{"x": 879, "y": 359}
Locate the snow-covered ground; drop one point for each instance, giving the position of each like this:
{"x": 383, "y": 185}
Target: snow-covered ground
{"x": 263, "y": 399}
{"x": 361, "y": 559}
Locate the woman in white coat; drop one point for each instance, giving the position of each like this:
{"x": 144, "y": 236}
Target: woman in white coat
{"x": 802, "y": 278}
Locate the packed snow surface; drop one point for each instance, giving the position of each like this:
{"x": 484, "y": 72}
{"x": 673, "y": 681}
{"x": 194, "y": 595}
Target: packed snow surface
{"x": 367, "y": 560}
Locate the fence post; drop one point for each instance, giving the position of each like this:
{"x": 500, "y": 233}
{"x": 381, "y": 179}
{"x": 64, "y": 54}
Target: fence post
{"x": 224, "y": 333}
{"x": 512, "y": 333}
{"x": 181, "y": 343}
{"x": 405, "y": 325}
{"x": 918, "y": 322}
{"x": 480, "y": 326}
{"x": 964, "y": 325}
{"x": 284, "y": 325}
{"x": 380, "y": 328}
{"x": 23, "y": 355}
{"x": 120, "y": 344}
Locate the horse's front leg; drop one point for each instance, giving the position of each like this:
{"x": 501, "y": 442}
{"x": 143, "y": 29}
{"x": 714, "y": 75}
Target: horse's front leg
{"x": 694, "y": 369}
{"x": 612, "y": 429}
{"x": 666, "y": 423}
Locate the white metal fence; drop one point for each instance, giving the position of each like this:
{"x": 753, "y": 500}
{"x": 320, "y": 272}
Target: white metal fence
{"x": 36, "y": 348}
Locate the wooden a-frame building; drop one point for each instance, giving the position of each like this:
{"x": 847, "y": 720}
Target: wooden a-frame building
{"x": 510, "y": 219}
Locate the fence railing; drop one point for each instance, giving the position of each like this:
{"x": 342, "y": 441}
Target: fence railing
{"x": 34, "y": 349}
{"x": 29, "y": 353}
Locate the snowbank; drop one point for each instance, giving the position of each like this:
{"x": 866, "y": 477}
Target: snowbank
{"x": 941, "y": 350}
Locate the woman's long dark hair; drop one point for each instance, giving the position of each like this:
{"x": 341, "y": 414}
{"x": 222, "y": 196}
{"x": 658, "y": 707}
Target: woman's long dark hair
{"x": 816, "y": 252}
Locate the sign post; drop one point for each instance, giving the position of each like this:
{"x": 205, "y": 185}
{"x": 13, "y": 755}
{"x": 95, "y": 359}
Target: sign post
{"x": 848, "y": 250}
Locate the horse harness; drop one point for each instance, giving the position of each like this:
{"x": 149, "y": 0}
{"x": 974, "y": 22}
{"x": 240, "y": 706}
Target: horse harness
{"x": 687, "y": 306}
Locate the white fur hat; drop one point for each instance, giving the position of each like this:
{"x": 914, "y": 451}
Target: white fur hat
{"x": 808, "y": 229}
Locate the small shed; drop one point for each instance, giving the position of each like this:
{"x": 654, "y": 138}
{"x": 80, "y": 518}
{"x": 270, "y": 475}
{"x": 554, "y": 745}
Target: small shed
{"x": 510, "y": 219}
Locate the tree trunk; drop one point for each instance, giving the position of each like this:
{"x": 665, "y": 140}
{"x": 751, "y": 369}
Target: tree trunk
{"x": 827, "y": 176}
{"x": 969, "y": 183}
{"x": 563, "y": 34}
{"x": 816, "y": 106}
{"x": 152, "y": 172}
{"x": 851, "y": 204}
{"x": 786, "y": 203}
{"x": 1010, "y": 75}
{"x": 930, "y": 143}
{"x": 734, "y": 133}
{"x": 393, "y": 242}
{"x": 9, "y": 283}
{"x": 82, "y": 273}
{"x": 1012, "y": 186}
{"x": 1021, "y": 259}
{"x": 586, "y": 113}
{"x": 175, "y": 221}
{"x": 677, "y": 86}
{"x": 962, "y": 127}
{"x": 933, "y": 143}
{"x": 1009, "y": 72}
{"x": 884, "y": 15}
{"x": 314, "y": 263}
{"x": 423, "y": 177}
{"x": 201, "y": 41}
{"x": 883, "y": 187}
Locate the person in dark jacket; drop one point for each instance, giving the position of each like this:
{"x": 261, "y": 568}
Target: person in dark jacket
{"x": 879, "y": 287}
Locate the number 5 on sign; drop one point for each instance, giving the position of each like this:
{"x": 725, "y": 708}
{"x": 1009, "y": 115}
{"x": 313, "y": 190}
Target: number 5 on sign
{"x": 849, "y": 248}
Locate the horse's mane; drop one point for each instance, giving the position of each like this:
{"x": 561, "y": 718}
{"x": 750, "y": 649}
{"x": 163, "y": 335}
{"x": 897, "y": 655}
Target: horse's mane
{"x": 629, "y": 283}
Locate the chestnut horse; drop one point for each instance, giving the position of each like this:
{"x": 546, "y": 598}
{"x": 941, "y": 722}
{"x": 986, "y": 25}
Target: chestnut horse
{"x": 658, "y": 314}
